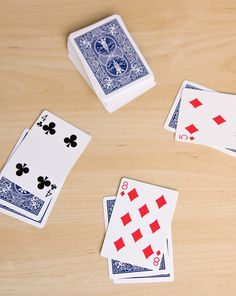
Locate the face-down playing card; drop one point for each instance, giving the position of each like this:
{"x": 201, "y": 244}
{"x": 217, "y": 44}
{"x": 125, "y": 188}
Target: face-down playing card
{"x": 110, "y": 58}
{"x": 121, "y": 270}
{"x": 138, "y": 227}
{"x": 207, "y": 118}
{"x": 38, "y": 168}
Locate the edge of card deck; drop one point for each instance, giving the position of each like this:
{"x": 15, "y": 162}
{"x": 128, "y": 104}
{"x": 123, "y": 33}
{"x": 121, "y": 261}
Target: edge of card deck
{"x": 78, "y": 65}
{"x": 114, "y": 104}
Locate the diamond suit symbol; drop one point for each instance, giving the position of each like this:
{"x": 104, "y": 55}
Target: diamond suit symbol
{"x": 195, "y": 103}
{"x": 148, "y": 251}
{"x": 132, "y": 194}
{"x": 143, "y": 210}
{"x": 219, "y": 119}
{"x": 161, "y": 201}
{"x": 154, "y": 226}
{"x": 126, "y": 219}
{"x": 137, "y": 235}
{"x": 119, "y": 244}
{"x": 191, "y": 128}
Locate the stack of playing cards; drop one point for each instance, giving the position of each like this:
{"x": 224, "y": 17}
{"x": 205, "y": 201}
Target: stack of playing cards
{"x": 203, "y": 116}
{"x": 32, "y": 178}
{"x": 108, "y": 58}
{"x": 138, "y": 241}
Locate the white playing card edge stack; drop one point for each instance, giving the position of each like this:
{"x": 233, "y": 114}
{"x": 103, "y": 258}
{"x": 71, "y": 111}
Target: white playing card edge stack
{"x": 122, "y": 96}
{"x": 171, "y": 123}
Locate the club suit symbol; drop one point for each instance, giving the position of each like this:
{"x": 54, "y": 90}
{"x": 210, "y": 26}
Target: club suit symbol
{"x": 71, "y": 141}
{"x": 21, "y": 169}
{"x": 49, "y": 129}
{"x": 43, "y": 182}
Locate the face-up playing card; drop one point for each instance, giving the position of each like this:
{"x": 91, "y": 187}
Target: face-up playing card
{"x": 38, "y": 168}
{"x": 17, "y": 215}
{"x": 159, "y": 277}
{"x": 39, "y": 223}
{"x": 207, "y": 118}
{"x": 141, "y": 217}
{"x": 172, "y": 118}
{"x": 110, "y": 58}
{"x": 118, "y": 270}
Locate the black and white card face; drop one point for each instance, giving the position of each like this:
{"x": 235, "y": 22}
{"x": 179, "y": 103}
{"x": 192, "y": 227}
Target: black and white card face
{"x": 36, "y": 171}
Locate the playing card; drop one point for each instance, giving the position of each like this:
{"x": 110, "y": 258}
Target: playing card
{"x": 17, "y": 215}
{"x": 37, "y": 223}
{"x": 207, "y": 118}
{"x": 138, "y": 90}
{"x": 21, "y": 138}
{"x": 164, "y": 277}
{"x": 172, "y": 118}
{"x": 76, "y": 61}
{"x": 36, "y": 171}
{"x": 138, "y": 227}
{"x": 110, "y": 59}
{"x": 119, "y": 269}
{"x": 113, "y": 105}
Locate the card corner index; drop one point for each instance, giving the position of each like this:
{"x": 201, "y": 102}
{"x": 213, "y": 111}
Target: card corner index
{"x": 44, "y": 111}
{"x": 123, "y": 179}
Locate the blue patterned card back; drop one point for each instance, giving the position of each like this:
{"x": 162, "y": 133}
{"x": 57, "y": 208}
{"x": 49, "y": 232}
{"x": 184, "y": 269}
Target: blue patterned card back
{"x": 27, "y": 219}
{"x": 111, "y": 56}
{"x": 22, "y": 199}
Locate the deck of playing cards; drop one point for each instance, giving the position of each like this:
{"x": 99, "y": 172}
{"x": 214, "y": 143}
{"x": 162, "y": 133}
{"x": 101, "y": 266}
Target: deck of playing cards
{"x": 203, "y": 116}
{"x": 109, "y": 60}
{"x": 34, "y": 173}
{"x": 138, "y": 241}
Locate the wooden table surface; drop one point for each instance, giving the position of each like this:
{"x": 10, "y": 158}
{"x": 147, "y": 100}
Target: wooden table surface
{"x": 181, "y": 39}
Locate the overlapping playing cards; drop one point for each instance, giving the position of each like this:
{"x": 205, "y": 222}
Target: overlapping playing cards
{"x": 109, "y": 60}
{"x": 138, "y": 242}
{"x": 32, "y": 178}
{"x": 203, "y": 116}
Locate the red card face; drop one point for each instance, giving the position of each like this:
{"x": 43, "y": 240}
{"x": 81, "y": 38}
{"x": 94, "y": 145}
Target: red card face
{"x": 139, "y": 224}
{"x": 207, "y": 118}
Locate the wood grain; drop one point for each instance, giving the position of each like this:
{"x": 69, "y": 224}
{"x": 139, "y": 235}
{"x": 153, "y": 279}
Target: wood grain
{"x": 181, "y": 39}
